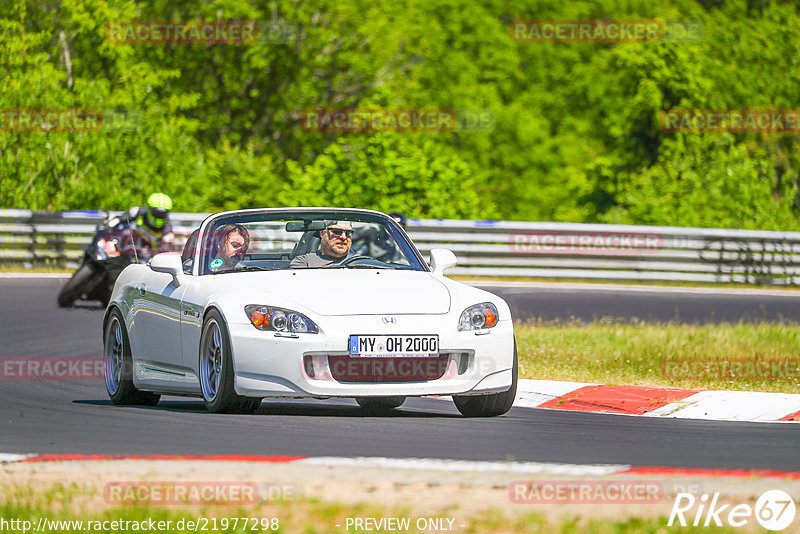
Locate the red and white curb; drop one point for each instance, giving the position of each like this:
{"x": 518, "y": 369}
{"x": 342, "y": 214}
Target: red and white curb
{"x": 659, "y": 402}
{"x": 422, "y": 464}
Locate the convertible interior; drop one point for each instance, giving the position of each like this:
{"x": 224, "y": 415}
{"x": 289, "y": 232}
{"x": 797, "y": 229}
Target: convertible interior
{"x": 371, "y": 241}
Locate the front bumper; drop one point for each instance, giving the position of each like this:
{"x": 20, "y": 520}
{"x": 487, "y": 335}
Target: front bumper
{"x": 318, "y": 365}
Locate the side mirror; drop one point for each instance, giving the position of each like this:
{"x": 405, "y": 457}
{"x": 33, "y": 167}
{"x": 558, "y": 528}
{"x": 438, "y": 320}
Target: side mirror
{"x": 442, "y": 259}
{"x": 167, "y": 263}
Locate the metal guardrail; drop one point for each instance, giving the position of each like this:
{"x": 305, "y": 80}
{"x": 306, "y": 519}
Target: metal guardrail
{"x": 491, "y": 248}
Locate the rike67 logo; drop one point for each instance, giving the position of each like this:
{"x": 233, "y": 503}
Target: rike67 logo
{"x": 774, "y": 510}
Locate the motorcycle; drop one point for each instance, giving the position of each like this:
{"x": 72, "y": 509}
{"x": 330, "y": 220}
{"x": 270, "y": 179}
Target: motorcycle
{"x": 116, "y": 244}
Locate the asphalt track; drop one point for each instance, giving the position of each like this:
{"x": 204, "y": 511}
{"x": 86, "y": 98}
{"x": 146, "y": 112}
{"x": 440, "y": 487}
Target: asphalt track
{"x": 589, "y": 302}
{"x": 67, "y": 416}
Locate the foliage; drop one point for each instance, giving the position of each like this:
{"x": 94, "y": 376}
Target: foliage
{"x": 576, "y": 134}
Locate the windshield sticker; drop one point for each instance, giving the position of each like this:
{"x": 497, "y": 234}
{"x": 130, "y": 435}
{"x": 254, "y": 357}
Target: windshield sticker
{"x": 216, "y": 264}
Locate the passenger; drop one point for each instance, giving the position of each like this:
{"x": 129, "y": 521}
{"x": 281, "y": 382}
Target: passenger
{"x": 334, "y": 246}
{"x": 231, "y": 241}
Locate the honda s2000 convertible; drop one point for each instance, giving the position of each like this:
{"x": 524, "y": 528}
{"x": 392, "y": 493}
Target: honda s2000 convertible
{"x": 306, "y": 302}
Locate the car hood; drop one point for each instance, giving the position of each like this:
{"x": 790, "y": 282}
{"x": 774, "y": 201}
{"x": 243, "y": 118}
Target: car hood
{"x": 354, "y": 291}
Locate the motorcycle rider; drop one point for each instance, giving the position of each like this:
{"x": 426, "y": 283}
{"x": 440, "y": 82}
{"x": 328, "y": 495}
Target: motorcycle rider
{"x": 152, "y": 222}
{"x": 134, "y": 236}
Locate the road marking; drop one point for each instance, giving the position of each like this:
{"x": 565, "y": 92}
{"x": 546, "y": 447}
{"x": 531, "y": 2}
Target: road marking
{"x": 34, "y": 276}
{"x": 424, "y": 464}
{"x": 168, "y": 457}
{"x": 9, "y": 458}
{"x": 578, "y": 287}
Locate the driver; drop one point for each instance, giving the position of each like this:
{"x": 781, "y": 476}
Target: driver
{"x": 334, "y": 246}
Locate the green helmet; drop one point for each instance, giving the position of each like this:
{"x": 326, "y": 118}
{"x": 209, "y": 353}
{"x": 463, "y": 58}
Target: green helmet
{"x": 159, "y": 200}
{"x": 158, "y": 207}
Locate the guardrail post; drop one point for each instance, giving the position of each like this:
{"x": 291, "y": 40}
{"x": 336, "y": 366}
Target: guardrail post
{"x": 32, "y": 244}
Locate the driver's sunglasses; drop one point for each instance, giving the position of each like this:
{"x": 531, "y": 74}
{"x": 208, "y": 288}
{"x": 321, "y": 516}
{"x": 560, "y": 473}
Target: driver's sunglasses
{"x": 339, "y": 232}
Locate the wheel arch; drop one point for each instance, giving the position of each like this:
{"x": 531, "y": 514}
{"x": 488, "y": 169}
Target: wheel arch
{"x": 217, "y": 308}
{"x": 109, "y": 310}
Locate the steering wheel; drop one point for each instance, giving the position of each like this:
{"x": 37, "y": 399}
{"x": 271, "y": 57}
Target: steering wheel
{"x": 351, "y": 259}
{"x": 348, "y": 261}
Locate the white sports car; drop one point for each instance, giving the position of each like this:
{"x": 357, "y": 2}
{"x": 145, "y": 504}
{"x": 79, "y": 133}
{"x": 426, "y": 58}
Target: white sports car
{"x": 306, "y": 302}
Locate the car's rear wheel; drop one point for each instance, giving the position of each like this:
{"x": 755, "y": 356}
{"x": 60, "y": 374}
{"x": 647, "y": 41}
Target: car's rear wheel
{"x": 380, "y": 403}
{"x": 216, "y": 370}
{"x": 118, "y": 365}
{"x": 489, "y": 405}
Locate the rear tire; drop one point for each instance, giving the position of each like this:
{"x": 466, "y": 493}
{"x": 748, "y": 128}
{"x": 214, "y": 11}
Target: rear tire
{"x": 379, "y": 404}
{"x": 216, "y": 370}
{"x": 489, "y": 405}
{"x": 118, "y": 365}
{"x": 74, "y": 287}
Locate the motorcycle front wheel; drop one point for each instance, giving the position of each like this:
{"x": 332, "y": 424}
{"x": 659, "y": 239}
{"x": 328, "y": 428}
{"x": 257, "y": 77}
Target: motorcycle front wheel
{"x": 73, "y": 289}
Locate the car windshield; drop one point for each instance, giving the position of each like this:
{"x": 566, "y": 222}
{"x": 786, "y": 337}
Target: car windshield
{"x": 304, "y": 240}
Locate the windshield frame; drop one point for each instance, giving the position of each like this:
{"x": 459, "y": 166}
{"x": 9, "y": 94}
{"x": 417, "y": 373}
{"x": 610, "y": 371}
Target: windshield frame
{"x": 397, "y": 232}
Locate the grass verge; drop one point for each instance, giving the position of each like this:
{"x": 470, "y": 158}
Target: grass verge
{"x": 18, "y": 269}
{"x": 742, "y": 356}
{"x": 72, "y": 509}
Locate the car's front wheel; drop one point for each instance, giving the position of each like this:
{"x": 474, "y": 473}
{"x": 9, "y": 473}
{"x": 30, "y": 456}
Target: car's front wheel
{"x": 216, "y": 370}
{"x": 489, "y": 405}
{"x": 118, "y": 365}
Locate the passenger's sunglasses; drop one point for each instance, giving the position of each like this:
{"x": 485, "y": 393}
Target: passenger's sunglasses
{"x": 339, "y": 232}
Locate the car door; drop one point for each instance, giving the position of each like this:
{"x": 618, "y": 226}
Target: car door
{"x": 156, "y": 315}
{"x": 192, "y": 324}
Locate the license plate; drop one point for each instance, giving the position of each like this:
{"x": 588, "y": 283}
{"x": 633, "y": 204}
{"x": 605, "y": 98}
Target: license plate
{"x": 394, "y": 346}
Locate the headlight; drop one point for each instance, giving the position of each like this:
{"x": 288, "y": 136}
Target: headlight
{"x": 279, "y": 319}
{"x": 478, "y": 317}
{"x": 99, "y": 251}
{"x": 106, "y": 249}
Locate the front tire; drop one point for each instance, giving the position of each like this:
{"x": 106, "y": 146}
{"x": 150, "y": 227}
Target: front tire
{"x": 216, "y": 370}
{"x": 118, "y": 365}
{"x": 73, "y": 289}
{"x": 379, "y": 404}
{"x": 489, "y": 405}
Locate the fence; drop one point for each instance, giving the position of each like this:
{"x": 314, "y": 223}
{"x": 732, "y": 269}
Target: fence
{"x": 491, "y": 248}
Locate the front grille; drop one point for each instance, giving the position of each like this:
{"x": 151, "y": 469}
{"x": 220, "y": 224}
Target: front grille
{"x": 347, "y": 369}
